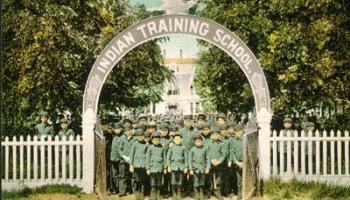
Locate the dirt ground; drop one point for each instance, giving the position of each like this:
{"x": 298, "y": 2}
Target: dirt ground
{"x": 95, "y": 197}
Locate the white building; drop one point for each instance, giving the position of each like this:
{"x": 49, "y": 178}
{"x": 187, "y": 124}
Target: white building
{"x": 179, "y": 96}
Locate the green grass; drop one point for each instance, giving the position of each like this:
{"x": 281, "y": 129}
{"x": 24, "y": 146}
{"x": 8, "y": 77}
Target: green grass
{"x": 293, "y": 189}
{"x": 46, "y": 189}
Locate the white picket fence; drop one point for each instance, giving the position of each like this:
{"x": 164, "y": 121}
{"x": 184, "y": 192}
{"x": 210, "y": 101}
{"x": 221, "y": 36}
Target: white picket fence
{"x": 38, "y": 161}
{"x": 313, "y": 156}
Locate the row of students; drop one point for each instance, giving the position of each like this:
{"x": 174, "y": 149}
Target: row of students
{"x": 171, "y": 161}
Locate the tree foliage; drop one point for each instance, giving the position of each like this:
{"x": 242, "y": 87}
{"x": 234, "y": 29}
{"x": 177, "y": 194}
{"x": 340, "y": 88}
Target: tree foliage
{"x": 303, "y": 47}
{"x": 49, "y": 48}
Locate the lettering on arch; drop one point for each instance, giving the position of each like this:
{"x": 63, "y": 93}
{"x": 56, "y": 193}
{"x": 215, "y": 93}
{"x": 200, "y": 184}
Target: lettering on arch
{"x": 164, "y": 25}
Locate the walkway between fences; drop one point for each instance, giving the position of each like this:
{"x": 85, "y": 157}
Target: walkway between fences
{"x": 313, "y": 156}
{"x": 34, "y": 161}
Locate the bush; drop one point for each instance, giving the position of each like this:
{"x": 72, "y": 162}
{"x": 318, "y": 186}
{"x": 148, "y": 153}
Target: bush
{"x": 46, "y": 189}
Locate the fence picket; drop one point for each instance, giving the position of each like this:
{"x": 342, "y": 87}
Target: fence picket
{"x": 7, "y": 159}
{"x": 71, "y": 163}
{"x": 49, "y": 157}
{"x": 57, "y": 158}
{"x": 317, "y": 153}
{"x": 14, "y": 159}
{"x": 21, "y": 158}
{"x": 302, "y": 154}
{"x": 29, "y": 158}
{"x": 289, "y": 153}
{"x": 64, "y": 159}
{"x": 309, "y": 152}
{"x": 281, "y": 145}
{"x": 332, "y": 155}
{"x": 42, "y": 158}
{"x": 339, "y": 152}
{"x": 296, "y": 153}
{"x": 274, "y": 153}
{"x": 78, "y": 138}
{"x": 324, "y": 149}
{"x": 35, "y": 157}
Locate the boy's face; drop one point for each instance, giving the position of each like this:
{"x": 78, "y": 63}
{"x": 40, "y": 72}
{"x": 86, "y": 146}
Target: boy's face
{"x": 64, "y": 125}
{"x": 105, "y": 127}
{"x": 221, "y": 121}
{"x": 224, "y": 133}
{"x": 206, "y": 131}
{"x": 164, "y": 132}
{"x": 177, "y": 140}
{"x": 110, "y": 129}
{"x": 310, "y": 128}
{"x": 151, "y": 130}
{"x": 128, "y": 132}
{"x": 188, "y": 123}
{"x": 172, "y": 133}
{"x": 215, "y": 135}
{"x": 147, "y": 139}
{"x": 156, "y": 141}
{"x": 231, "y": 131}
{"x": 140, "y": 138}
{"x": 117, "y": 130}
{"x": 239, "y": 133}
{"x": 44, "y": 119}
{"x": 198, "y": 142}
{"x": 287, "y": 125}
{"x": 143, "y": 121}
{"x": 200, "y": 121}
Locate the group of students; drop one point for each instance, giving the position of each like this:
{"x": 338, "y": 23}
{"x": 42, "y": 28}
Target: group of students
{"x": 179, "y": 157}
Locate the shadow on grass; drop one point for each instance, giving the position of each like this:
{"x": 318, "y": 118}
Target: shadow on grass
{"x": 294, "y": 189}
{"x": 46, "y": 189}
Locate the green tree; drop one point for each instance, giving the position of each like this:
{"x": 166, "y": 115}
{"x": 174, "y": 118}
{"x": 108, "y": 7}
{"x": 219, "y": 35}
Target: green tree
{"x": 303, "y": 47}
{"x": 49, "y": 48}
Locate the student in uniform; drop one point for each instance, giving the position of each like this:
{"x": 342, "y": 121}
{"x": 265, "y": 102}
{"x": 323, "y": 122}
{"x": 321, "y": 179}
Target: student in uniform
{"x": 187, "y": 140}
{"x": 115, "y": 155}
{"x": 177, "y": 165}
{"x": 226, "y": 171}
{"x": 138, "y": 164}
{"x": 126, "y": 142}
{"x": 65, "y": 131}
{"x": 155, "y": 165}
{"x": 236, "y": 159}
{"x": 165, "y": 141}
{"x": 199, "y": 166}
{"x": 109, "y": 134}
{"x": 217, "y": 155}
{"x": 44, "y": 129}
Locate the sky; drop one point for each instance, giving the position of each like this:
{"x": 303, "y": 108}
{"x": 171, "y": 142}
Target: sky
{"x": 172, "y": 47}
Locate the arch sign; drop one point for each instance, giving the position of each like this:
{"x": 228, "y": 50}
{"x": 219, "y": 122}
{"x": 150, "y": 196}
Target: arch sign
{"x": 161, "y": 26}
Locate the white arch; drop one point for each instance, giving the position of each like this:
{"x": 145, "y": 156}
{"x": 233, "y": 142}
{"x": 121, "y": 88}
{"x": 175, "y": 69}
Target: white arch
{"x": 161, "y": 26}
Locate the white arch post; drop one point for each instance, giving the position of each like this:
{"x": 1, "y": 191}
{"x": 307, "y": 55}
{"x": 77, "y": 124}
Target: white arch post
{"x": 161, "y": 26}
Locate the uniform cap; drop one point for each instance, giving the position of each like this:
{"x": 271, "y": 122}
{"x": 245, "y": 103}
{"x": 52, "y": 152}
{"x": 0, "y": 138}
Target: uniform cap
{"x": 139, "y": 132}
{"x": 177, "y": 134}
{"x": 188, "y": 117}
{"x": 206, "y": 125}
{"x": 146, "y": 134}
{"x": 64, "y": 120}
{"x": 44, "y": 113}
{"x": 179, "y": 122}
{"x": 173, "y": 128}
{"x": 224, "y": 127}
{"x": 197, "y": 136}
{"x": 310, "y": 124}
{"x": 156, "y": 135}
{"x": 127, "y": 125}
{"x": 221, "y": 115}
{"x": 230, "y": 124}
{"x": 215, "y": 129}
{"x": 238, "y": 127}
{"x": 202, "y": 116}
{"x": 142, "y": 116}
{"x": 163, "y": 126}
{"x": 118, "y": 125}
{"x": 152, "y": 124}
{"x": 287, "y": 120}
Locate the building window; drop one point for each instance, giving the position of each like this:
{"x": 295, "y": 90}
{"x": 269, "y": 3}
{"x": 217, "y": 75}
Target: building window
{"x": 198, "y": 108}
{"x": 191, "y": 107}
{"x": 192, "y": 90}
